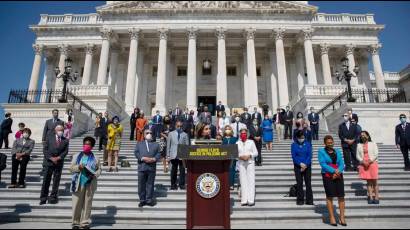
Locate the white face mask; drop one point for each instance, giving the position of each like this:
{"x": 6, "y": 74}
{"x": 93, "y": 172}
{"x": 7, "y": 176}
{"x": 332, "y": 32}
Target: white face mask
{"x": 237, "y": 119}
{"x": 301, "y": 140}
{"x": 25, "y": 135}
{"x": 148, "y": 137}
{"x": 60, "y": 133}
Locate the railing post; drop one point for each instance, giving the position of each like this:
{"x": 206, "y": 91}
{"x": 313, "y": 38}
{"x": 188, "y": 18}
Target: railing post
{"x": 388, "y": 96}
{"x": 364, "y": 96}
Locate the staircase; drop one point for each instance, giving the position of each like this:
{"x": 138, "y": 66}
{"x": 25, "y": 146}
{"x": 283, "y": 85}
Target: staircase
{"x": 116, "y": 200}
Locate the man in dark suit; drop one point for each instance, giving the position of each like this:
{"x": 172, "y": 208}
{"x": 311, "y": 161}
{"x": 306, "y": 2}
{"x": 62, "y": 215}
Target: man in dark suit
{"x": 220, "y": 108}
{"x": 203, "y": 118}
{"x": 246, "y": 118}
{"x": 200, "y": 108}
{"x": 257, "y": 115}
{"x": 353, "y": 115}
{"x": 49, "y": 130}
{"x": 403, "y": 139}
{"x": 157, "y": 122}
{"x": 255, "y": 134}
{"x": 148, "y": 154}
{"x": 188, "y": 123}
{"x": 55, "y": 151}
{"x": 104, "y": 122}
{"x": 349, "y": 135}
{"x": 314, "y": 123}
{"x": 288, "y": 123}
{"x": 178, "y": 111}
{"x": 133, "y": 120}
{"x": 5, "y": 131}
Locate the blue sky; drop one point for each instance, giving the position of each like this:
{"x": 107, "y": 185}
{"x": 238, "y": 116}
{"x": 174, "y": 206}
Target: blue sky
{"x": 17, "y": 55}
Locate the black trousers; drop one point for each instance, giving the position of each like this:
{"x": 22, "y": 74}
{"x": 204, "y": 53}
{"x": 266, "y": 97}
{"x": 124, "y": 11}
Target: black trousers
{"x": 349, "y": 155}
{"x": 174, "y": 171}
{"x": 157, "y": 131}
{"x": 102, "y": 142}
{"x": 51, "y": 171}
{"x": 146, "y": 183}
{"x": 258, "y": 159}
{"x": 315, "y": 131}
{"x": 307, "y": 177}
{"x": 288, "y": 130}
{"x": 15, "y": 167}
{"x": 133, "y": 126}
{"x": 405, "y": 151}
{"x": 4, "y": 137}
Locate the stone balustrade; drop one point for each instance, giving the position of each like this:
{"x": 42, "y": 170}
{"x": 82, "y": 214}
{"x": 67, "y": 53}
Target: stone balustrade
{"x": 95, "y": 90}
{"x": 388, "y": 76}
{"x": 322, "y": 18}
{"x": 70, "y": 19}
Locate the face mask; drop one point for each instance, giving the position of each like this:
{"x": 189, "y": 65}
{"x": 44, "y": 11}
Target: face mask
{"x": 363, "y": 139}
{"x": 228, "y": 132}
{"x": 237, "y": 119}
{"x": 25, "y": 135}
{"x": 60, "y": 133}
{"x": 87, "y": 148}
{"x": 255, "y": 123}
{"x": 329, "y": 147}
{"x": 148, "y": 137}
{"x": 403, "y": 120}
{"x": 55, "y": 117}
{"x": 301, "y": 140}
{"x": 244, "y": 136}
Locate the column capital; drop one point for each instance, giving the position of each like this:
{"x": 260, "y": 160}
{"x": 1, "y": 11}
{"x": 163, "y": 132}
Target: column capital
{"x": 106, "y": 33}
{"x": 134, "y": 33}
{"x": 374, "y": 49}
{"x": 278, "y": 33}
{"x": 38, "y": 49}
{"x": 349, "y": 49}
{"x": 163, "y": 33}
{"x": 308, "y": 33}
{"x": 250, "y": 33}
{"x": 220, "y": 33}
{"x": 192, "y": 33}
{"x": 64, "y": 49}
{"x": 89, "y": 48}
{"x": 324, "y": 48}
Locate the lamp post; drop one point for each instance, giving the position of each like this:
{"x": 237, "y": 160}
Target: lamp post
{"x": 66, "y": 76}
{"x": 347, "y": 75}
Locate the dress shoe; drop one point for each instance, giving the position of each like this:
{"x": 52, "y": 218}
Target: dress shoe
{"x": 407, "y": 169}
{"x": 182, "y": 187}
{"x": 174, "y": 188}
{"x": 85, "y": 227}
{"x": 105, "y": 164}
{"x": 151, "y": 204}
{"x": 343, "y": 224}
{"x": 141, "y": 204}
{"x": 300, "y": 203}
{"x": 244, "y": 204}
{"x": 376, "y": 201}
{"x": 12, "y": 186}
{"x": 334, "y": 225}
{"x": 21, "y": 186}
{"x": 53, "y": 201}
{"x": 43, "y": 202}
{"x": 251, "y": 205}
{"x": 75, "y": 227}
{"x": 309, "y": 203}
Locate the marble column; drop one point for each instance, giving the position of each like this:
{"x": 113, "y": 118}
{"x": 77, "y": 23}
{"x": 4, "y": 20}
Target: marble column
{"x": 274, "y": 81}
{"x": 191, "y": 102}
{"x": 377, "y": 67}
{"x": 64, "y": 49}
{"x": 35, "y": 73}
{"x": 327, "y": 75}
{"x": 281, "y": 68}
{"x": 113, "y": 74}
{"x": 349, "y": 54}
{"x": 300, "y": 68}
{"x": 138, "y": 78}
{"x": 88, "y": 65}
{"x": 221, "y": 80}
{"x": 161, "y": 76}
{"x": 252, "y": 84}
{"x": 310, "y": 59}
{"x": 132, "y": 71}
{"x": 105, "y": 52}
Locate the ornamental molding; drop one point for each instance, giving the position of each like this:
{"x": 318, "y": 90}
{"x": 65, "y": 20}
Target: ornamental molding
{"x": 374, "y": 49}
{"x": 192, "y": 33}
{"x": 250, "y": 33}
{"x": 89, "y": 49}
{"x": 163, "y": 33}
{"x": 324, "y": 48}
{"x": 106, "y": 33}
{"x": 350, "y": 49}
{"x": 279, "y": 33}
{"x": 308, "y": 33}
{"x": 221, "y": 33}
{"x": 38, "y": 49}
{"x": 64, "y": 49}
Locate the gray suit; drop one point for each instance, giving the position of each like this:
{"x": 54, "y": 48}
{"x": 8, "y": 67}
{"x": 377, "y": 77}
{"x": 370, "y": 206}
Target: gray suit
{"x": 49, "y": 128}
{"x": 172, "y": 152}
{"x": 20, "y": 147}
{"x": 146, "y": 172}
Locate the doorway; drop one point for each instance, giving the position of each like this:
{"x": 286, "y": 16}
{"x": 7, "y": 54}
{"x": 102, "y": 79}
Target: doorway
{"x": 209, "y": 101}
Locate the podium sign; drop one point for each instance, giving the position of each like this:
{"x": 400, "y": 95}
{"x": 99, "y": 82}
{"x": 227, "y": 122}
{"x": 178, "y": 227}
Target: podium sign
{"x": 208, "y": 194}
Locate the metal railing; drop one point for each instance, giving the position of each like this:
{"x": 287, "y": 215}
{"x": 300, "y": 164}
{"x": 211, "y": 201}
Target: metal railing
{"x": 48, "y": 97}
{"x": 366, "y": 96}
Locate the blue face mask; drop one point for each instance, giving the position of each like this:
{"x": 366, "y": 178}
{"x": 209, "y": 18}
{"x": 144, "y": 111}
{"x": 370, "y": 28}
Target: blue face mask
{"x": 403, "y": 120}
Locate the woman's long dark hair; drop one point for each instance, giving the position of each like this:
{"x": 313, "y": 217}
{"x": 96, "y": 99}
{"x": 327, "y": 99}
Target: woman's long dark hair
{"x": 367, "y": 134}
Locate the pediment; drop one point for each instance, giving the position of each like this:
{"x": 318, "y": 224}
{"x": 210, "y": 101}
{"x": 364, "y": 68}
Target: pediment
{"x": 204, "y": 6}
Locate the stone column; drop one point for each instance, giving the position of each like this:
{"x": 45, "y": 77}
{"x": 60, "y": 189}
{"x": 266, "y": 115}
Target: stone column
{"x": 64, "y": 49}
{"x": 377, "y": 67}
{"x": 349, "y": 54}
{"x": 112, "y": 75}
{"x": 89, "y": 51}
{"x": 310, "y": 59}
{"x": 138, "y": 77}
{"x": 191, "y": 102}
{"x": 252, "y": 84}
{"x": 105, "y": 52}
{"x": 245, "y": 76}
{"x": 327, "y": 75}
{"x": 281, "y": 68}
{"x": 161, "y": 76}
{"x": 221, "y": 81}
{"x": 35, "y": 73}
{"x": 274, "y": 81}
{"x": 132, "y": 71}
{"x": 300, "y": 68}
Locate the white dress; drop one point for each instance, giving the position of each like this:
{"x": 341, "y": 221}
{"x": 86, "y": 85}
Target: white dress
{"x": 247, "y": 171}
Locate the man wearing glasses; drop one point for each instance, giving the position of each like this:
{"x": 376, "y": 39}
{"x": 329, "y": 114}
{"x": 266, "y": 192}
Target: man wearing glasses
{"x": 349, "y": 134}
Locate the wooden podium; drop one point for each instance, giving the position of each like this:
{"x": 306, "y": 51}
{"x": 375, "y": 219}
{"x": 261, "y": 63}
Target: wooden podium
{"x": 208, "y": 194}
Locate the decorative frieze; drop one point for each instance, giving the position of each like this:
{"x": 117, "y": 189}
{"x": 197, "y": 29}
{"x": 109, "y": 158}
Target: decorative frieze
{"x": 220, "y": 33}
{"x": 163, "y": 34}
{"x": 192, "y": 33}
{"x": 279, "y": 33}
{"x": 374, "y": 49}
{"x": 134, "y": 33}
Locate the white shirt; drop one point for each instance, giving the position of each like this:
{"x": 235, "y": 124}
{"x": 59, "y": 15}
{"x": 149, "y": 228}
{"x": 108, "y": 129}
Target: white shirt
{"x": 234, "y": 128}
{"x": 244, "y": 149}
{"x": 223, "y": 122}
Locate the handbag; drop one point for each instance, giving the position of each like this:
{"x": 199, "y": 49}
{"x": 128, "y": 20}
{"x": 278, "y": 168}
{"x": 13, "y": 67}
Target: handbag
{"x": 329, "y": 175}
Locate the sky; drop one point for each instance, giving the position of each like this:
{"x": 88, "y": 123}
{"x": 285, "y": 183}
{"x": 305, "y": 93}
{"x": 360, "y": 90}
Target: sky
{"x": 16, "y": 53}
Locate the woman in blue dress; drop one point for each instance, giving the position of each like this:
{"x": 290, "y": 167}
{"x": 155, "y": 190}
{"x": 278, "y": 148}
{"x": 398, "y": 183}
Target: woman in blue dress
{"x": 267, "y": 132}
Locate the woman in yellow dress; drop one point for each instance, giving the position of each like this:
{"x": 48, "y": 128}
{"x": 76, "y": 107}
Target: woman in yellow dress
{"x": 114, "y": 142}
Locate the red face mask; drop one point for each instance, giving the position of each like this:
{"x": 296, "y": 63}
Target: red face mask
{"x": 87, "y": 149}
{"x": 244, "y": 136}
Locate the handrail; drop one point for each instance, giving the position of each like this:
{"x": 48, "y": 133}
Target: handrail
{"x": 332, "y": 102}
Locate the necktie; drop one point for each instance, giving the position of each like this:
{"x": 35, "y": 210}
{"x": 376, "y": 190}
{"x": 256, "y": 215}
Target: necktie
{"x": 179, "y": 135}
{"x": 58, "y": 141}
{"x": 237, "y": 129}
{"x": 146, "y": 142}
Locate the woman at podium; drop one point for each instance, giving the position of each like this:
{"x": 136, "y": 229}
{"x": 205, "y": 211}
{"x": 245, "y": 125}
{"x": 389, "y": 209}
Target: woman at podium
{"x": 247, "y": 153}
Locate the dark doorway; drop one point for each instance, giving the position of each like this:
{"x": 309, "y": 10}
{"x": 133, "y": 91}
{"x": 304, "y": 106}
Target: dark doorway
{"x": 210, "y": 102}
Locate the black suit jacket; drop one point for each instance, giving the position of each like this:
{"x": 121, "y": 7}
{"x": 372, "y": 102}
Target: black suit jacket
{"x": 257, "y": 116}
{"x": 282, "y": 120}
{"x": 49, "y": 128}
{"x": 403, "y": 136}
{"x": 289, "y": 117}
{"x": 6, "y": 126}
{"x": 255, "y": 133}
{"x": 51, "y": 149}
{"x": 187, "y": 124}
{"x": 133, "y": 119}
{"x": 353, "y": 133}
{"x": 312, "y": 118}
{"x": 246, "y": 121}
{"x": 220, "y": 108}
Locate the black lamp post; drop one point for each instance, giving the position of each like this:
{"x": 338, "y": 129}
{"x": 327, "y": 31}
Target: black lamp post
{"x": 66, "y": 76}
{"x": 347, "y": 75}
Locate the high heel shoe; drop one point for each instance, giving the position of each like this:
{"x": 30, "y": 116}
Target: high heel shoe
{"x": 343, "y": 224}
{"x": 334, "y": 225}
